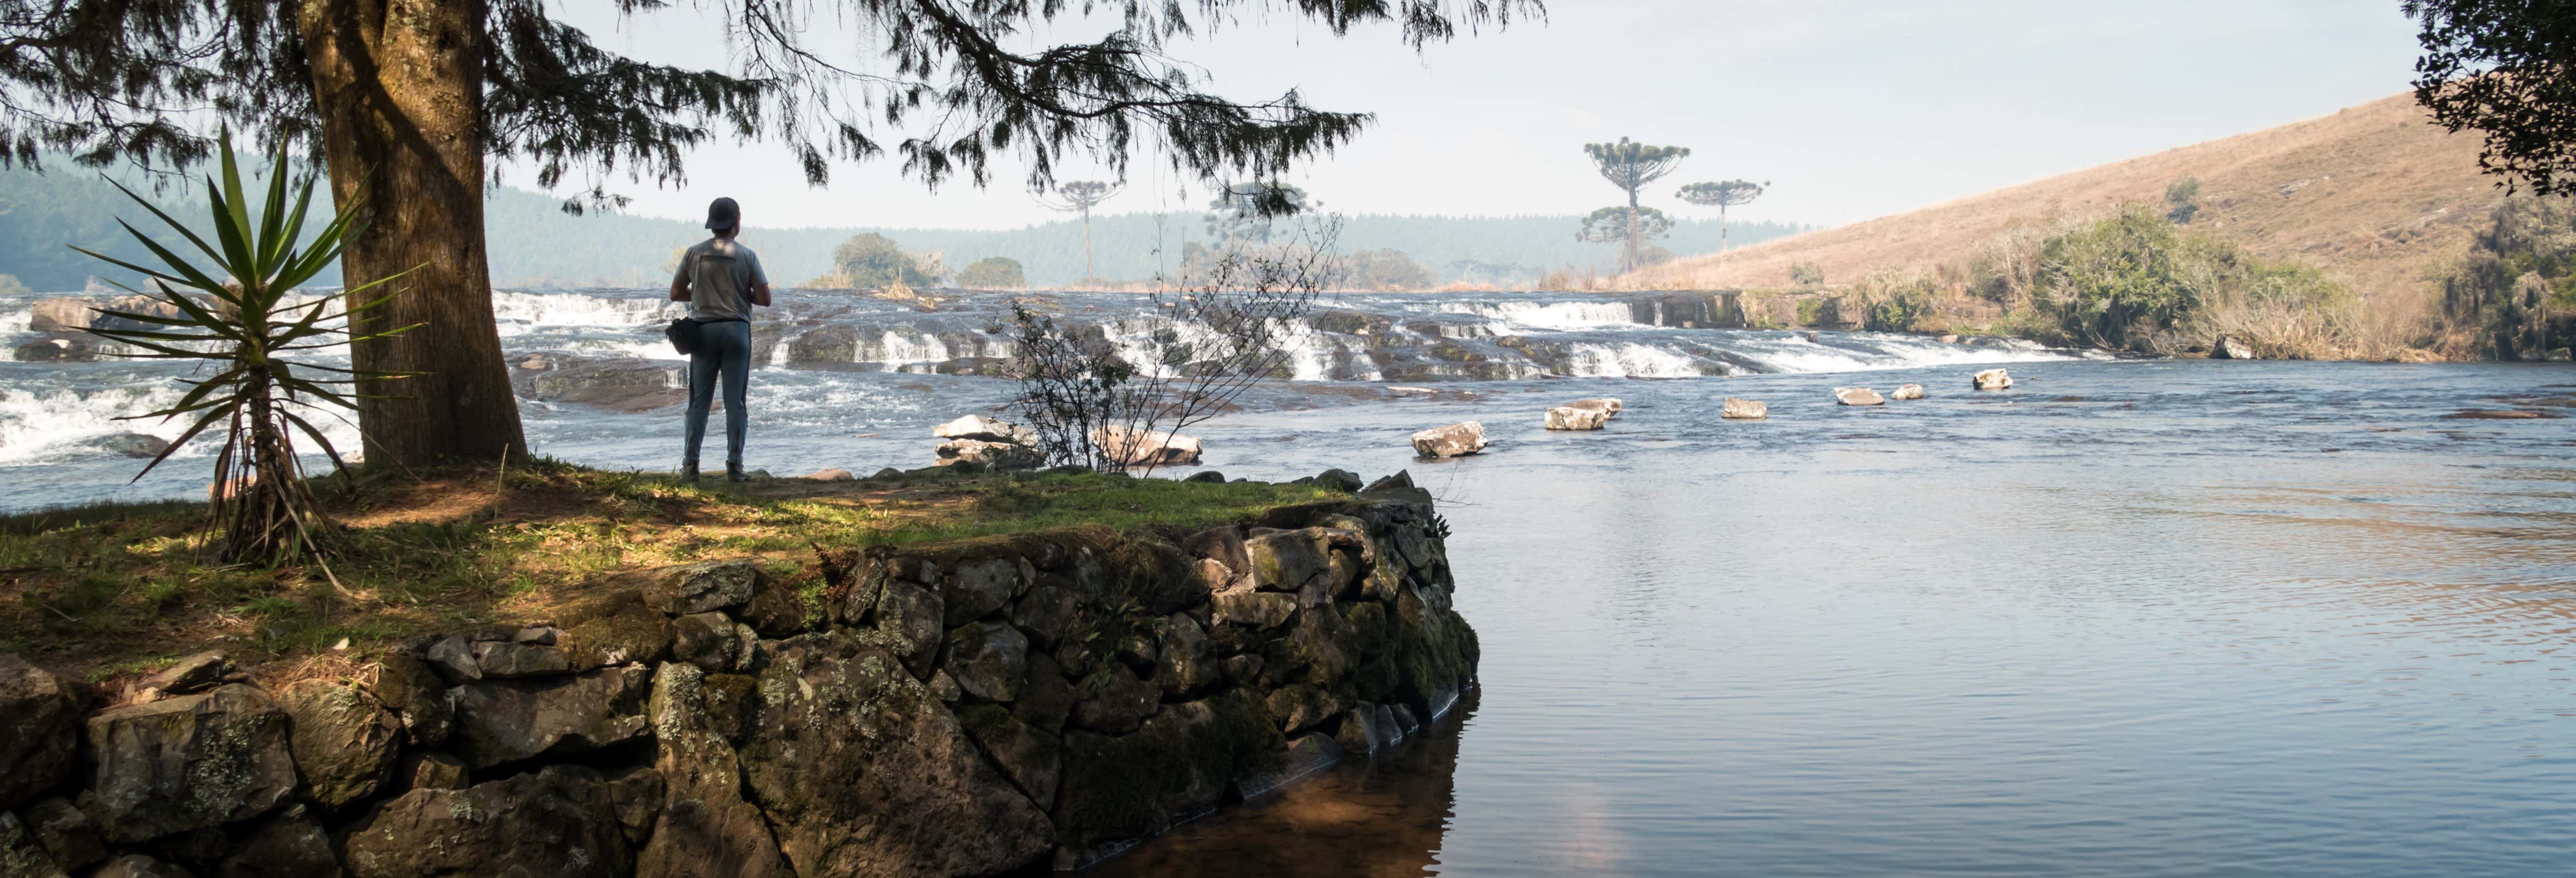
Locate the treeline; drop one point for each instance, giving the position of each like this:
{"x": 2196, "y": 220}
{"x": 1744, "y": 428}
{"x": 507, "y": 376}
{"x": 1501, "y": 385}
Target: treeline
{"x": 2513, "y": 297}
{"x": 43, "y": 215}
{"x": 533, "y": 243}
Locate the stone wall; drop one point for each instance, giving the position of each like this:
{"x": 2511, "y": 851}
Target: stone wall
{"x": 970, "y": 708}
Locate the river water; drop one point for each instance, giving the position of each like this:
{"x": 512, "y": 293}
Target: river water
{"x": 2128, "y": 618}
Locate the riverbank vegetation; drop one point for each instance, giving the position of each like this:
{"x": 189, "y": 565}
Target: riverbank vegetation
{"x": 2513, "y": 297}
{"x": 103, "y": 589}
{"x": 2133, "y": 280}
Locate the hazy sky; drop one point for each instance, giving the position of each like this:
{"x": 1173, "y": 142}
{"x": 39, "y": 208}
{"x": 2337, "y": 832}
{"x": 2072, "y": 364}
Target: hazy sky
{"x": 1850, "y": 108}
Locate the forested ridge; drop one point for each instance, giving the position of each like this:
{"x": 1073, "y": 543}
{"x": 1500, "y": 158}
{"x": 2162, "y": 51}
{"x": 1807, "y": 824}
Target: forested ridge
{"x": 535, "y": 244}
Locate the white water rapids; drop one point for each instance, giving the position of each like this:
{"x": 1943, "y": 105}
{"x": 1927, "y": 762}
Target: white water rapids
{"x": 57, "y": 412}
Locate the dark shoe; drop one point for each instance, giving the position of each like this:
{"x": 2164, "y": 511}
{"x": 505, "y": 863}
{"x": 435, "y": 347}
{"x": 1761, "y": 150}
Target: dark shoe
{"x": 733, "y": 473}
{"x": 689, "y": 474}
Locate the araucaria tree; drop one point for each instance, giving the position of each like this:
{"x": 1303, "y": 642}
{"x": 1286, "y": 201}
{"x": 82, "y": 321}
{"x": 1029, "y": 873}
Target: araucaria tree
{"x": 2507, "y": 68}
{"x": 1243, "y": 214}
{"x": 1630, "y": 166}
{"x": 1632, "y": 226}
{"x": 408, "y": 99}
{"x": 1732, "y": 193}
{"x": 1081, "y": 196}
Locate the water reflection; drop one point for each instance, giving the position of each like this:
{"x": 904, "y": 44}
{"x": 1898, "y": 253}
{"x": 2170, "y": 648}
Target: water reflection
{"x": 2310, "y": 629}
{"x": 1357, "y": 819}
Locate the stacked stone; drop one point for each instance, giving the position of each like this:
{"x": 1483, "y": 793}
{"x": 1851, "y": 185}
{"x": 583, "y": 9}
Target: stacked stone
{"x": 968, "y": 708}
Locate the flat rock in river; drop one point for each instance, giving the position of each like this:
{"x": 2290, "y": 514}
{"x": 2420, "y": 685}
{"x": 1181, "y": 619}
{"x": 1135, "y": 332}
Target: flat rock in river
{"x": 984, "y": 429}
{"x": 996, "y": 455}
{"x": 623, "y": 384}
{"x": 1455, "y": 440}
{"x": 1144, "y": 448}
{"x": 57, "y": 348}
{"x": 1857, "y": 396}
{"x": 1567, "y": 417}
{"x": 135, "y": 445}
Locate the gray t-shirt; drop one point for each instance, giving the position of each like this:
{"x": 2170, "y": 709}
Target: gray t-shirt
{"x": 720, "y": 273}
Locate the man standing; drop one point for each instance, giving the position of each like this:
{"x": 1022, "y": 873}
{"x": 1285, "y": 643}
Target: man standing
{"x": 721, "y": 280}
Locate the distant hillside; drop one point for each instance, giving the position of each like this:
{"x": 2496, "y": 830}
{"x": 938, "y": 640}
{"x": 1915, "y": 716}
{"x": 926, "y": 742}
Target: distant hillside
{"x": 2374, "y": 194}
{"x": 41, "y": 215}
{"x": 533, "y": 243}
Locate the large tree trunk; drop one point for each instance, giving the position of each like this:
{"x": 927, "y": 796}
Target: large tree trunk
{"x": 399, "y": 85}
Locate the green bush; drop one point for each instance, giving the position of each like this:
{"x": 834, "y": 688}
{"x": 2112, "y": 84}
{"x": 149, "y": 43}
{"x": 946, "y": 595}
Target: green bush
{"x": 1895, "y": 301}
{"x": 2121, "y": 282}
{"x": 1386, "y": 270}
{"x": 993, "y": 273}
{"x": 873, "y": 261}
{"x": 2183, "y": 199}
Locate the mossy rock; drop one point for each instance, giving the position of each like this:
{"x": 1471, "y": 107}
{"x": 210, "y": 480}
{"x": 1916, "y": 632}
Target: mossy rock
{"x": 1452, "y": 352}
{"x": 1347, "y": 322}
{"x": 860, "y": 771}
{"x": 613, "y": 630}
{"x": 731, "y": 702}
{"x": 1032, "y": 758}
{"x": 1431, "y": 654}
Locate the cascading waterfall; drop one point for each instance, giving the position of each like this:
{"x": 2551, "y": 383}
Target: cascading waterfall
{"x": 1631, "y": 360}
{"x": 528, "y": 310}
{"x": 1523, "y": 317}
{"x": 1405, "y": 338}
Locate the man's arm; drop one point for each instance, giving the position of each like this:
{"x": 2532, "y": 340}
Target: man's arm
{"x": 680, "y": 280}
{"x": 759, "y": 281}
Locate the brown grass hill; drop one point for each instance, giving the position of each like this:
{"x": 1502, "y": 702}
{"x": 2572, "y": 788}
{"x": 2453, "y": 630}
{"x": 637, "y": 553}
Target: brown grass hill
{"x": 2374, "y": 195}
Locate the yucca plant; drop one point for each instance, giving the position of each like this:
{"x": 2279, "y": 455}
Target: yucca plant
{"x": 234, "y": 313}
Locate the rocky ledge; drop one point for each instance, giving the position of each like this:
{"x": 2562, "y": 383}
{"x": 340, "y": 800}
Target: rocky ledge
{"x": 979, "y": 707}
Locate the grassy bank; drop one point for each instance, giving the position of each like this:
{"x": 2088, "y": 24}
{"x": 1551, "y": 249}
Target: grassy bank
{"x": 108, "y": 589}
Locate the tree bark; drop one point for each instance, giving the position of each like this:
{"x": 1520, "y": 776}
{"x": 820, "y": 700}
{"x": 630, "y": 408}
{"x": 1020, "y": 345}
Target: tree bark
{"x": 399, "y": 86}
{"x": 1628, "y": 254}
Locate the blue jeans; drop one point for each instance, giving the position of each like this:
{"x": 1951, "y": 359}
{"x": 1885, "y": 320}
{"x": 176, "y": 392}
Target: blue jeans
{"x": 725, "y": 349}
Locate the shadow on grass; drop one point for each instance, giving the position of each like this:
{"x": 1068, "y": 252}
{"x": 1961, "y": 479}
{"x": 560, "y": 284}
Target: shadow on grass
{"x": 109, "y": 589}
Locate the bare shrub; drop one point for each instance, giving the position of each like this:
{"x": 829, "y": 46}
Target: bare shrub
{"x": 1093, "y": 398}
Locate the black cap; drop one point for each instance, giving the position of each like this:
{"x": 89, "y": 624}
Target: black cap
{"x": 724, "y": 214}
